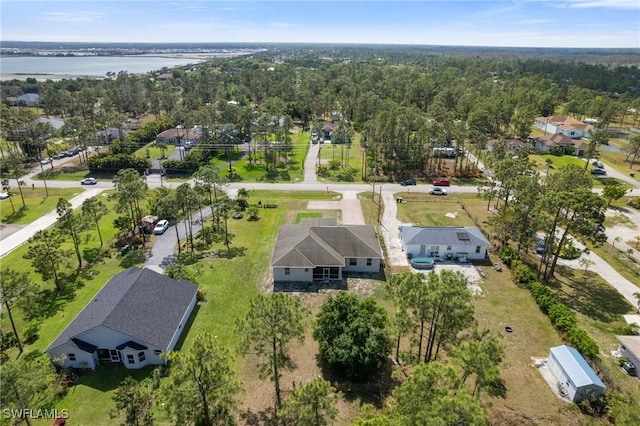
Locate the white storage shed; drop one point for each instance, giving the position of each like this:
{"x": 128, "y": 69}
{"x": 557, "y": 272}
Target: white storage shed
{"x": 574, "y": 375}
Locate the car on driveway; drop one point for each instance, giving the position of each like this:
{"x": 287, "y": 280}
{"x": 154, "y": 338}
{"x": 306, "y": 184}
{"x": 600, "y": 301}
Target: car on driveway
{"x": 46, "y": 160}
{"x": 437, "y": 191}
{"x": 441, "y": 182}
{"x": 89, "y": 181}
{"x": 408, "y": 182}
{"x": 161, "y": 226}
{"x": 597, "y": 171}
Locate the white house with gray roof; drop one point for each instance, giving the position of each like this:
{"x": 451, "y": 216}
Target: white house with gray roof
{"x": 321, "y": 250}
{"x": 444, "y": 242}
{"x": 138, "y": 315}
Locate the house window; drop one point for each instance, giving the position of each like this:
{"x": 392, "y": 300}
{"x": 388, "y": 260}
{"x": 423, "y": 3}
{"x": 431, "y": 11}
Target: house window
{"x": 142, "y": 356}
{"x": 130, "y": 359}
{"x": 71, "y": 357}
{"x": 369, "y": 261}
{"x": 448, "y": 248}
{"x": 287, "y": 271}
{"x": 477, "y": 249}
{"x": 353, "y": 261}
{"x": 306, "y": 269}
{"x": 157, "y": 352}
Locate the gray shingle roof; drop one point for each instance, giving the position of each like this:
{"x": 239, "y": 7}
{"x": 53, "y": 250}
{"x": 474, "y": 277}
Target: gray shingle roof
{"x": 310, "y": 246}
{"x": 451, "y": 236}
{"x": 139, "y": 303}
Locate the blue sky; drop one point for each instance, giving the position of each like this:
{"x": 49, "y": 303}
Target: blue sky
{"x": 532, "y": 23}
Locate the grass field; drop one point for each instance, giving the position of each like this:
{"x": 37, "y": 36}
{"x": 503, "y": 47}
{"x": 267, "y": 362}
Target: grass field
{"x": 349, "y": 159}
{"x": 36, "y": 203}
{"x": 152, "y": 152}
{"x": 290, "y": 169}
{"x": 430, "y": 210}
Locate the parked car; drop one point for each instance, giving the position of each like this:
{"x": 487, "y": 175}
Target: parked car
{"x": 597, "y": 171}
{"x": 60, "y": 155}
{"x": 161, "y": 226}
{"x": 629, "y": 368}
{"x": 89, "y": 181}
{"x": 4, "y": 195}
{"x": 46, "y": 160}
{"x": 237, "y": 215}
{"x": 438, "y": 191}
{"x": 71, "y": 152}
{"x": 541, "y": 247}
{"x": 441, "y": 182}
{"x": 408, "y": 182}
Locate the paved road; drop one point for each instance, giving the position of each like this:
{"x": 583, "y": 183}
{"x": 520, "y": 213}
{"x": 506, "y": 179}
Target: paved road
{"x": 390, "y": 223}
{"x": 20, "y": 237}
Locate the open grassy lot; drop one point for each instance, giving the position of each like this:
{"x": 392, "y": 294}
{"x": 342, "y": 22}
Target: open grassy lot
{"x": 557, "y": 161}
{"x": 153, "y": 152}
{"x": 430, "y": 210}
{"x": 36, "y": 203}
{"x": 347, "y": 160}
{"x": 289, "y": 169}
{"x": 617, "y": 161}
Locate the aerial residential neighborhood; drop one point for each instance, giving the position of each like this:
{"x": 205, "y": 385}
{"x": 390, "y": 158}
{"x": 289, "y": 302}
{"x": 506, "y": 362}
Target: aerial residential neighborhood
{"x": 340, "y": 227}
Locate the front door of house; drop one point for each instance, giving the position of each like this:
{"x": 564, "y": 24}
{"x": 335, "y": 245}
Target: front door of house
{"x": 423, "y": 249}
{"x": 326, "y": 272}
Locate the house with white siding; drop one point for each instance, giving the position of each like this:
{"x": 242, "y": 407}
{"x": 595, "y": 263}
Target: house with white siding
{"x": 630, "y": 348}
{"x": 463, "y": 243}
{"x": 137, "y": 316}
{"x": 560, "y": 124}
{"x": 320, "y": 250}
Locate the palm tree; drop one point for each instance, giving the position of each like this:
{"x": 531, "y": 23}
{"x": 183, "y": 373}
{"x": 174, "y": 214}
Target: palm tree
{"x": 637, "y": 296}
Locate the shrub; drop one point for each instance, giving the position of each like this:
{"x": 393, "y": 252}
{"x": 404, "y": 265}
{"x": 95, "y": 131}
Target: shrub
{"x": 569, "y": 250}
{"x": 583, "y": 342}
{"x": 522, "y": 273}
{"x": 508, "y": 255}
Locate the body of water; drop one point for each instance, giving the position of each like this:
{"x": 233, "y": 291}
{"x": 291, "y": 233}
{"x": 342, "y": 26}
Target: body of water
{"x": 91, "y": 65}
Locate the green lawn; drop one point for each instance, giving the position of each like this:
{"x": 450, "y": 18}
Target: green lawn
{"x": 557, "y": 161}
{"x": 153, "y": 152}
{"x": 36, "y": 203}
{"x": 430, "y": 210}
{"x": 289, "y": 169}
{"x": 349, "y": 159}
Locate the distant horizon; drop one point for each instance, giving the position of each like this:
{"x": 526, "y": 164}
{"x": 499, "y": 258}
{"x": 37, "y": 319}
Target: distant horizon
{"x": 580, "y": 24}
{"x": 258, "y": 44}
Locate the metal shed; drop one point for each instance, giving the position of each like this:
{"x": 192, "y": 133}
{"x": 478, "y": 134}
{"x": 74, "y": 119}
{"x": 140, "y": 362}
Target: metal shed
{"x": 576, "y": 380}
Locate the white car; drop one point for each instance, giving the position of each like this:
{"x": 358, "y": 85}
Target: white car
{"x": 89, "y": 181}
{"x": 437, "y": 191}
{"x": 46, "y": 161}
{"x": 161, "y": 226}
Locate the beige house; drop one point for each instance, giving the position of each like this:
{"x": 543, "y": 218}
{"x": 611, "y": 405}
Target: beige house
{"x": 630, "y": 349}
{"x": 320, "y": 250}
{"x": 179, "y": 136}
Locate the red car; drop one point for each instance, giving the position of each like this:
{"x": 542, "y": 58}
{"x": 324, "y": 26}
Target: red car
{"x": 441, "y": 182}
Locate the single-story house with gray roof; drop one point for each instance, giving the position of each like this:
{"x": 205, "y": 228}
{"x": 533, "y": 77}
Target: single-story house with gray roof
{"x": 136, "y": 316}
{"x": 318, "y": 250}
{"x": 444, "y": 242}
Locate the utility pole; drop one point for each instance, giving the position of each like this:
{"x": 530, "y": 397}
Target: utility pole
{"x": 379, "y": 203}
